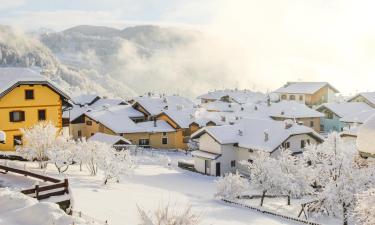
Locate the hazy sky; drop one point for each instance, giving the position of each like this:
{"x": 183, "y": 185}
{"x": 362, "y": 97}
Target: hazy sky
{"x": 273, "y": 41}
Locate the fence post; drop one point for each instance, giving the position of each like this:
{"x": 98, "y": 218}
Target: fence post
{"x": 66, "y": 186}
{"x": 37, "y": 191}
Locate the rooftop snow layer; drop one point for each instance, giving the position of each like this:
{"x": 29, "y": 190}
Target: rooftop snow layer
{"x": 239, "y": 96}
{"x": 345, "y": 108}
{"x": 303, "y": 87}
{"x": 359, "y": 117}
{"x": 108, "y": 139}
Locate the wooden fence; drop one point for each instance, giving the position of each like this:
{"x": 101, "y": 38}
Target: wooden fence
{"x": 58, "y": 188}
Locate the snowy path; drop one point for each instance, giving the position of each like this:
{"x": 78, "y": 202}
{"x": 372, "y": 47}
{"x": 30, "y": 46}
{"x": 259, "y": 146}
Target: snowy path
{"x": 151, "y": 185}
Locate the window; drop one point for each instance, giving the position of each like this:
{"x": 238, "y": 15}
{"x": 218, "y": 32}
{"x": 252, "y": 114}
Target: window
{"x": 283, "y": 97}
{"x": 292, "y": 97}
{"x": 143, "y": 142}
{"x": 164, "y": 141}
{"x": 17, "y": 116}
{"x": 164, "y": 133}
{"x": 17, "y": 140}
{"x": 250, "y": 160}
{"x": 308, "y": 141}
{"x": 79, "y": 133}
{"x": 233, "y": 163}
{"x": 92, "y": 134}
{"x": 303, "y": 144}
{"x": 301, "y": 97}
{"x": 311, "y": 123}
{"x": 41, "y": 114}
{"x": 29, "y": 94}
{"x": 286, "y": 145}
{"x": 321, "y": 127}
{"x": 88, "y": 122}
{"x": 329, "y": 115}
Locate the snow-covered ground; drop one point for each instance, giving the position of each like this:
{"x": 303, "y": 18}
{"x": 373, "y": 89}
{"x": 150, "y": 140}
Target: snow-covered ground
{"x": 150, "y": 186}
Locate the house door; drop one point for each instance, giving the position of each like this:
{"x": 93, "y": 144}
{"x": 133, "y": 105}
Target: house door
{"x": 207, "y": 166}
{"x": 218, "y": 169}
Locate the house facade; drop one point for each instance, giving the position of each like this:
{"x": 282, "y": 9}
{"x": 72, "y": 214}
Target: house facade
{"x": 309, "y": 93}
{"x": 334, "y": 112}
{"x": 221, "y": 149}
{"x": 26, "y": 97}
{"x": 366, "y": 97}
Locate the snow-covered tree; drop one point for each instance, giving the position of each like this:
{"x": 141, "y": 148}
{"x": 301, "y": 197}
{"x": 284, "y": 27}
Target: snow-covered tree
{"x": 115, "y": 163}
{"x": 90, "y": 153}
{"x": 280, "y": 175}
{"x": 231, "y": 186}
{"x": 37, "y": 141}
{"x": 365, "y": 207}
{"x": 168, "y": 215}
{"x": 61, "y": 153}
{"x": 336, "y": 170}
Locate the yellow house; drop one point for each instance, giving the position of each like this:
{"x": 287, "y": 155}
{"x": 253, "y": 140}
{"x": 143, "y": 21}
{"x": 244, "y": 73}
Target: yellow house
{"x": 116, "y": 120}
{"x": 309, "y": 93}
{"x": 27, "y": 97}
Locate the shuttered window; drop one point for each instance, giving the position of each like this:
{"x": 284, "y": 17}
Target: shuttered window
{"x": 41, "y": 114}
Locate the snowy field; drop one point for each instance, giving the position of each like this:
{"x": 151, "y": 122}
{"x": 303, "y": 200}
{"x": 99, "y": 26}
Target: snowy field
{"x": 150, "y": 186}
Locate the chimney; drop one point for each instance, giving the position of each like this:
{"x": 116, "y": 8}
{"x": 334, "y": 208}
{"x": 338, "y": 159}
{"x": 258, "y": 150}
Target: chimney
{"x": 282, "y": 113}
{"x": 155, "y": 122}
{"x": 266, "y": 135}
{"x": 240, "y": 132}
{"x": 223, "y": 118}
{"x": 268, "y": 100}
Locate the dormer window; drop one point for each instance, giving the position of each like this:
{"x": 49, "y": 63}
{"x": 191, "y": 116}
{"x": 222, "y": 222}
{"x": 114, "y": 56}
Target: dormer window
{"x": 29, "y": 94}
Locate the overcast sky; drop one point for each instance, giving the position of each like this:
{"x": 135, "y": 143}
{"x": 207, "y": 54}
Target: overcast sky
{"x": 275, "y": 41}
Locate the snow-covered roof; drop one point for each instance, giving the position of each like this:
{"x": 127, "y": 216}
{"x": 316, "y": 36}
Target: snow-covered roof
{"x": 304, "y": 87}
{"x": 250, "y": 133}
{"x": 287, "y": 109}
{"x": 149, "y": 126}
{"x": 220, "y": 106}
{"x": 365, "y": 136}
{"x": 11, "y": 77}
{"x": 369, "y": 96}
{"x": 157, "y": 104}
{"x": 103, "y": 102}
{"x": 239, "y": 96}
{"x": 359, "y": 117}
{"x": 345, "y": 108}
{"x": 85, "y": 99}
{"x": 183, "y": 118}
{"x": 352, "y": 131}
{"x": 108, "y": 139}
{"x": 205, "y": 155}
{"x": 115, "y": 118}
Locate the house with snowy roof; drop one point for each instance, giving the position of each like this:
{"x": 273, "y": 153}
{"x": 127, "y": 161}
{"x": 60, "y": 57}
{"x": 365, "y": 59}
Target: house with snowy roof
{"x": 334, "y": 112}
{"x": 27, "y": 97}
{"x": 288, "y": 110}
{"x": 365, "y": 138}
{"x": 85, "y": 99}
{"x": 232, "y": 96}
{"x": 152, "y": 105}
{"x": 117, "y": 120}
{"x": 309, "y": 93}
{"x": 221, "y": 148}
{"x": 366, "y": 97}
{"x": 115, "y": 141}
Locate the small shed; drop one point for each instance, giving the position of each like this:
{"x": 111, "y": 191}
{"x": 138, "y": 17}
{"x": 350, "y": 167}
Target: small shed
{"x": 115, "y": 141}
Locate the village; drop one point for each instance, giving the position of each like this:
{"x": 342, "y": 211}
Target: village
{"x": 256, "y": 148}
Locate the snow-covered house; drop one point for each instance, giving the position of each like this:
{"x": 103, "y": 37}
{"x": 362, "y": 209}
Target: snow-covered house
{"x": 228, "y": 96}
{"x": 335, "y": 111}
{"x": 357, "y": 118}
{"x": 115, "y": 141}
{"x": 117, "y": 120}
{"x": 292, "y": 110}
{"x": 366, "y": 97}
{"x": 221, "y": 148}
{"x": 152, "y": 105}
{"x": 309, "y": 93}
{"x": 85, "y": 99}
{"x": 365, "y": 139}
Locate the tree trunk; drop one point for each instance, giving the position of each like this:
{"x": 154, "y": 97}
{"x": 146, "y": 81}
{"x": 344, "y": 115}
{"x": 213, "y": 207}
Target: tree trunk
{"x": 345, "y": 213}
{"x": 263, "y": 196}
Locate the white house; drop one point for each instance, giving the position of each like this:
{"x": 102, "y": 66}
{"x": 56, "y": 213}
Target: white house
{"x": 115, "y": 141}
{"x": 366, "y": 97}
{"x": 221, "y": 148}
{"x": 365, "y": 138}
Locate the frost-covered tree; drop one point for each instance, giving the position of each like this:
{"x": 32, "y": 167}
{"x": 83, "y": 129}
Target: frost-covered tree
{"x": 365, "y": 207}
{"x": 168, "y": 215}
{"x": 231, "y": 186}
{"x": 61, "y": 153}
{"x": 281, "y": 175}
{"x": 115, "y": 163}
{"x": 336, "y": 170}
{"x": 90, "y": 153}
{"x": 37, "y": 141}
